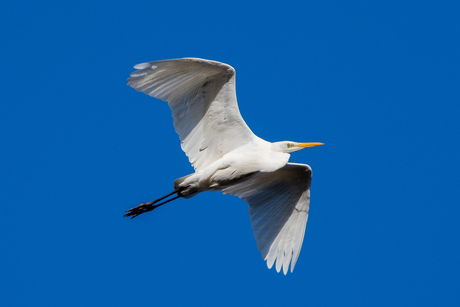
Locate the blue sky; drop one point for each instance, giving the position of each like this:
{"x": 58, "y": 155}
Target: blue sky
{"x": 377, "y": 81}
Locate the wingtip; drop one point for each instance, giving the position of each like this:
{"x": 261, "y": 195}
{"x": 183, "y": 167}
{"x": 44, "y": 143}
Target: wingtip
{"x": 144, "y": 66}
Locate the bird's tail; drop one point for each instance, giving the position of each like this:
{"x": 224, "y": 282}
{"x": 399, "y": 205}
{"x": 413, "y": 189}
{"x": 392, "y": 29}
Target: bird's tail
{"x": 187, "y": 191}
{"x": 178, "y": 181}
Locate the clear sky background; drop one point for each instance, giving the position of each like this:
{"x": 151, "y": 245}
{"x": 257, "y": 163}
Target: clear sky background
{"x": 377, "y": 81}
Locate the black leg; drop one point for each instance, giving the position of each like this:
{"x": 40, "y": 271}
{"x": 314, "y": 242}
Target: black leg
{"x": 146, "y": 207}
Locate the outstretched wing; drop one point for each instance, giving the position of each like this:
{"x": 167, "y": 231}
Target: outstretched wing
{"x": 278, "y": 208}
{"x": 202, "y": 97}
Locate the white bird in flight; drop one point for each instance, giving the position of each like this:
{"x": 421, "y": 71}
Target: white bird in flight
{"x": 227, "y": 156}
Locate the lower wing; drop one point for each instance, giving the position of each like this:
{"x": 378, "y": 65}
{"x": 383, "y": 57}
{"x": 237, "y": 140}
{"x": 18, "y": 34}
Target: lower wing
{"x": 278, "y": 209}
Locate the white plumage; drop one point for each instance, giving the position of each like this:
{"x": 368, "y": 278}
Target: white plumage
{"x": 227, "y": 156}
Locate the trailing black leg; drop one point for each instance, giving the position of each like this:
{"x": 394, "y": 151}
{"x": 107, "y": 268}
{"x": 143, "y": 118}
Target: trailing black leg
{"x": 146, "y": 207}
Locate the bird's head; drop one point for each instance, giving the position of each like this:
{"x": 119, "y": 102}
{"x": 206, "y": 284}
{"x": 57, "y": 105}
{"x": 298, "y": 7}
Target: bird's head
{"x": 290, "y": 147}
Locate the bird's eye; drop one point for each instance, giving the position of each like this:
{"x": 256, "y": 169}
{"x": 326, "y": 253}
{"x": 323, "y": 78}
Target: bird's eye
{"x": 289, "y": 145}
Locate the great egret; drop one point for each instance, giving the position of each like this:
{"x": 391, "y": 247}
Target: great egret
{"x": 227, "y": 156}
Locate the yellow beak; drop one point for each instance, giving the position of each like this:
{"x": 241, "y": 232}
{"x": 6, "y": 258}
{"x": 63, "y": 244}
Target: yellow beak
{"x": 305, "y": 145}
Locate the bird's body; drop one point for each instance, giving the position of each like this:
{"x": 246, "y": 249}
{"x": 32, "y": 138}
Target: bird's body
{"x": 235, "y": 165}
{"x": 227, "y": 156}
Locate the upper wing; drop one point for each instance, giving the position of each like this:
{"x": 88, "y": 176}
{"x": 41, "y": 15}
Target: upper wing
{"x": 202, "y": 97}
{"x": 278, "y": 208}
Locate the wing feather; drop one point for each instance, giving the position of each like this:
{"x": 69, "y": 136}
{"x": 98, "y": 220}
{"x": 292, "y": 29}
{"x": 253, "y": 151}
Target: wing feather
{"x": 278, "y": 208}
{"x": 202, "y": 98}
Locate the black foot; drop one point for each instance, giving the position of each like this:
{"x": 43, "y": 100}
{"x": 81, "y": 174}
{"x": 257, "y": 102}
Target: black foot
{"x": 142, "y": 208}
